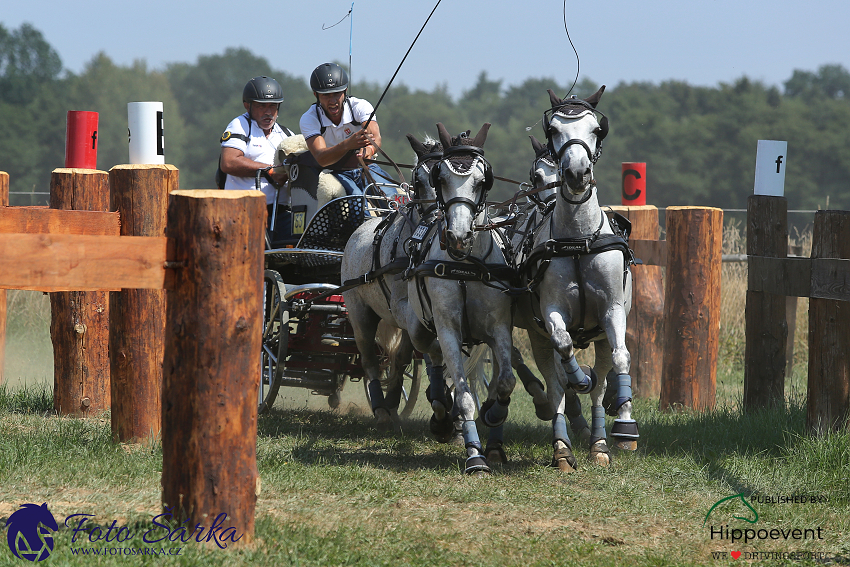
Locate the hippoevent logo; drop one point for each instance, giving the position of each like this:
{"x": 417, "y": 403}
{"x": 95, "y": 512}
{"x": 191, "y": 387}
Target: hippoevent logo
{"x": 30, "y": 532}
{"x": 738, "y": 507}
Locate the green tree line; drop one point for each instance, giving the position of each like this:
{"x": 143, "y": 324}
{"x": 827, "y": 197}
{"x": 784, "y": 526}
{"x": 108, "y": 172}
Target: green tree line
{"x": 699, "y": 143}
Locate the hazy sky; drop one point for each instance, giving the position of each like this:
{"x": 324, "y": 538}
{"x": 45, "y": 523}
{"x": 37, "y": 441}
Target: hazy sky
{"x": 703, "y": 43}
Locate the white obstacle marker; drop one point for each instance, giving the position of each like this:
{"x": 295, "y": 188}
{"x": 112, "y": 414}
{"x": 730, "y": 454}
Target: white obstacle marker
{"x": 771, "y": 159}
{"x": 145, "y": 127}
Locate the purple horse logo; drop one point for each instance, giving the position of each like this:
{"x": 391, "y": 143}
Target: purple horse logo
{"x": 30, "y": 530}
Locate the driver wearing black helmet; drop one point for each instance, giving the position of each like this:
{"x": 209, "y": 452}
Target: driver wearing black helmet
{"x": 250, "y": 141}
{"x": 332, "y": 128}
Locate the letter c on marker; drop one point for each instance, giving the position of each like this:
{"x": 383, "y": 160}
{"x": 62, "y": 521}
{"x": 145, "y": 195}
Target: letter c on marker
{"x": 630, "y": 196}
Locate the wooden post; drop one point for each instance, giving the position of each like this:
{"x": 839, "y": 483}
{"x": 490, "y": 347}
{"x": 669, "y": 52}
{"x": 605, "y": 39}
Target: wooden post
{"x": 791, "y": 320}
{"x": 692, "y": 307}
{"x": 829, "y": 332}
{"x": 4, "y": 202}
{"x": 645, "y": 324}
{"x": 137, "y": 316}
{"x": 212, "y": 358}
{"x": 766, "y": 323}
{"x": 79, "y": 325}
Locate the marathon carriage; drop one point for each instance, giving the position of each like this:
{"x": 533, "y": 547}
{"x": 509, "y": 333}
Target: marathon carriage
{"x": 307, "y": 339}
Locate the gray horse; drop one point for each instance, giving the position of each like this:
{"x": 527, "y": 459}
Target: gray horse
{"x": 445, "y": 303}
{"x": 578, "y": 268}
{"x": 384, "y": 297}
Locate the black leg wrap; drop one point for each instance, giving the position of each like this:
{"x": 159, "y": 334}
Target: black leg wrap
{"x": 610, "y": 393}
{"x": 494, "y": 413}
{"x": 392, "y": 399}
{"x": 376, "y": 394}
{"x": 443, "y": 430}
{"x": 625, "y": 429}
{"x": 476, "y": 463}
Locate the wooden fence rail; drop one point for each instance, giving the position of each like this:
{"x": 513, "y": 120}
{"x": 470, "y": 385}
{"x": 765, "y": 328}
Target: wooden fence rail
{"x": 825, "y": 278}
{"x": 211, "y": 265}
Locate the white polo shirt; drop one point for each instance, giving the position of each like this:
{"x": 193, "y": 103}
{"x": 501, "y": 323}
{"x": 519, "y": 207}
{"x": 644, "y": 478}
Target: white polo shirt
{"x": 258, "y": 148}
{"x": 311, "y": 123}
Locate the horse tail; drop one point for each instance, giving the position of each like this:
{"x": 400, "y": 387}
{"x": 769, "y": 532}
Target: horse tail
{"x": 389, "y": 338}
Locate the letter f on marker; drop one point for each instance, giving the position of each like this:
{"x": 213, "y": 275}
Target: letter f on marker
{"x": 778, "y": 163}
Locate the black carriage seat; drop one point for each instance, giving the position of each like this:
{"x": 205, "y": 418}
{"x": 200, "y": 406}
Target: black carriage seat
{"x": 328, "y": 230}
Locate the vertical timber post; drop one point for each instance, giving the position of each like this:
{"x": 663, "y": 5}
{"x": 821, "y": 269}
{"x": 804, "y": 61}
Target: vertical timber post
{"x": 212, "y": 356}
{"x": 645, "y": 324}
{"x": 137, "y": 316}
{"x": 4, "y": 202}
{"x": 79, "y": 324}
{"x": 692, "y": 307}
{"x": 766, "y": 320}
{"x": 829, "y": 333}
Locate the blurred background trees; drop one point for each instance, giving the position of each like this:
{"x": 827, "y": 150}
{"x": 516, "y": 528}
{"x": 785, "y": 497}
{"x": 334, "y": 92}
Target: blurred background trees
{"x": 699, "y": 142}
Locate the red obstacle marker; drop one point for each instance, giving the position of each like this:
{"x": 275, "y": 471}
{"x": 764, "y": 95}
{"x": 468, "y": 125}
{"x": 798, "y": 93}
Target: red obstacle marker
{"x": 81, "y": 140}
{"x": 634, "y": 183}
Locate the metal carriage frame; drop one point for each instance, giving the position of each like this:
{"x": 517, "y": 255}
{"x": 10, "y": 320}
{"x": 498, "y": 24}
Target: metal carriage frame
{"x": 307, "y": 340}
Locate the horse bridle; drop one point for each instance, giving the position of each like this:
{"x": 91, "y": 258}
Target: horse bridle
{"x": 422, "y": 163}
{"x": 476, "y": 206}
{"x": 593, "y": 156}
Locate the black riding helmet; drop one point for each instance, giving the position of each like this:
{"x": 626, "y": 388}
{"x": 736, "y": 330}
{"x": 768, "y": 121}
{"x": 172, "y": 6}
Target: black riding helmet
{"x": 328, "y": 78}
{"x": 262, "y": 89}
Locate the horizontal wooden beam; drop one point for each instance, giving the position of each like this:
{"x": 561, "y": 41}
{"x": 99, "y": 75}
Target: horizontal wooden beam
{"x": 650, "y": 252}
{"x": 43, "y": 220}
{"x": 60, "y": 262}
{"x": 822, "y": 278}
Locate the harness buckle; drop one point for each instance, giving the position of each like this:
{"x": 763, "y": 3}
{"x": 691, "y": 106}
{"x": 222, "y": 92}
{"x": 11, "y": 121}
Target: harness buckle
{"x": 440, "y": 270}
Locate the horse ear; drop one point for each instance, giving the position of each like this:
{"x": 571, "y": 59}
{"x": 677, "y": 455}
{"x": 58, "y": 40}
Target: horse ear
{"x": 538, "y": 147}
{"x": 603, "y": 128}
{"x": 481, "y": 136}
{"x": 553, "y": 99}
{"x": 417, "y": 146}
{"x": 445, "y": 139}
{"x": 594, "y": 98}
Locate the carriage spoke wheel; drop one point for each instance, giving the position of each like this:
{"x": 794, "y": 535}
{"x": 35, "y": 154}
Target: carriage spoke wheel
{"x": 275, "y": 339}
{"x": 411, "y": 379}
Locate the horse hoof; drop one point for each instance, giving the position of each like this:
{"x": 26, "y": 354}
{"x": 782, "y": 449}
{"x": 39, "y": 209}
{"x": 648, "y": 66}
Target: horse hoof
{"x": 600, "y": 454}
{"x": 544, "y": 412}
{"x": 333, "y": 400}
{"x": 563, "y": 458}
{"x": 495, "y": 454}
{"x": 626, "y": 445}
{"x": 443, "y": 430}
{"x": 383, "y": 420}
{"x": 477, "y": 466}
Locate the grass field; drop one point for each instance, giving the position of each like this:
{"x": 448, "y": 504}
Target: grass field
{"x": 337, "y": 492}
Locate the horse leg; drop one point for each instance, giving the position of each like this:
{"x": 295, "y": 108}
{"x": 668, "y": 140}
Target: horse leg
{"x": 562, "y": 342}
{"x": 450, "y": 341}
{"x": 599, "y": 451}
{"x": 618, "y": 398}
{"x": 400, "y": 356}
{"x": 544, "y": 356}
{"x": 364, "y": 322}
{"x": 494, "y": 414}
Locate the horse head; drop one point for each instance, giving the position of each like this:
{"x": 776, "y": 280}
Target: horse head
{"x": 575, "y": 138}
{"x": 543, "y": 173}
{"x": 428, "y": 153}
{"x": 462, "y": 178}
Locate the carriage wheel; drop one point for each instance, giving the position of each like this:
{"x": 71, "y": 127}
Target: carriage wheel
{"x": 411, "y": 380}
{"x": 478, "y": 367}
{"x": 275, "y": 339}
